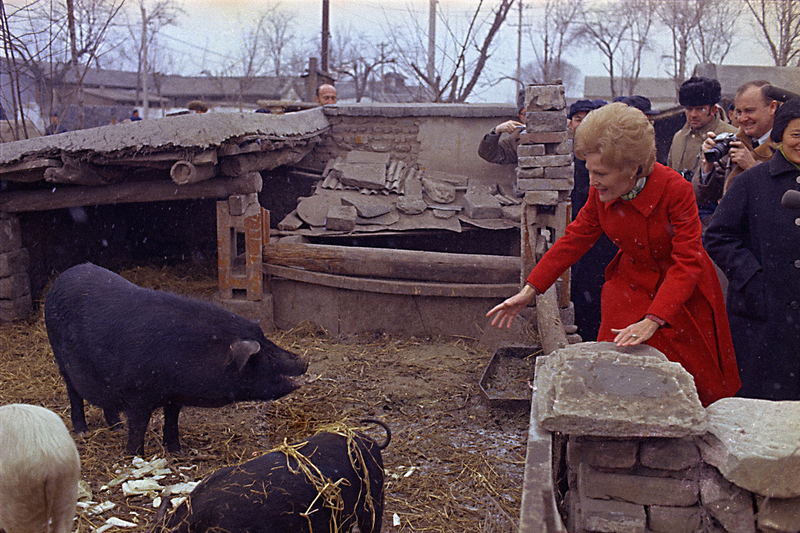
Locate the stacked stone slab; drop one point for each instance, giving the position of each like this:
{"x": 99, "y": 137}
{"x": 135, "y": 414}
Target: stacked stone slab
{"x": 642, "y": 456}
{"x": 545, "y": 173}
{"x": 15, "y": 285}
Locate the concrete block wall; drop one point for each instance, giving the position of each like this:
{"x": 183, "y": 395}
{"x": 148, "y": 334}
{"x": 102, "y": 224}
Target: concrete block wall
{"x": 15, "y": 285}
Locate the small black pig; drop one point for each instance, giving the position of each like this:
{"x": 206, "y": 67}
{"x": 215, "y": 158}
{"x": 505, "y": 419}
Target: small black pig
{"x": 273, "y": 493}
{"x": 129, "y": 349}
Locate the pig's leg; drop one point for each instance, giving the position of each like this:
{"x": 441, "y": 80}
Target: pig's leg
{"x": 76, "y": 412}
{"x": 112, "y": 418}
{"x": 171, "y": 439}
{"x": 138, "y": 419}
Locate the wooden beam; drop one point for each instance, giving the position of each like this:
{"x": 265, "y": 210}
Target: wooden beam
{"x": 548, "y": 320}
{"x": 383, "y": 286}
{"x": 123, "y": 193}
{"x": 260, "y": 161}
{"x": 28, "y": 171}
{"x": 395, "y": 264}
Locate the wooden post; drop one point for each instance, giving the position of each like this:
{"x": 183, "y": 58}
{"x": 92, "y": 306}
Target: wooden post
{"x": 239, "y": 245}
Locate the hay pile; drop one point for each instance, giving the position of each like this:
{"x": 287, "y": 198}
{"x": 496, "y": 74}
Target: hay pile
{"x": 451, "y": 461}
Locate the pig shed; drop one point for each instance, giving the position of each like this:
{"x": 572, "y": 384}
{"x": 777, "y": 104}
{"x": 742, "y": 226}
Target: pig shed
{"x": 266, "y": 187}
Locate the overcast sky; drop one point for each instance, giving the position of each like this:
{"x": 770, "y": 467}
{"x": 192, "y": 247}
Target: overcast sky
{"x": 211, "y": 30}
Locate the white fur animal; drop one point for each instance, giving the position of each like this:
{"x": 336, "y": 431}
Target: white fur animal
{"x": 39, "y": 471}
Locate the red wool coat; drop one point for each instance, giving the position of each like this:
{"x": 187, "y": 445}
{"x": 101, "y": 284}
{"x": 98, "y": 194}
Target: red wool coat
{"x": 661, "y": 269}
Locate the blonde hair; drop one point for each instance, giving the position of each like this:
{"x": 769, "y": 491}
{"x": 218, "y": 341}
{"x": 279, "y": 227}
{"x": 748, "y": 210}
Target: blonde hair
{"x": 621, "y": 134}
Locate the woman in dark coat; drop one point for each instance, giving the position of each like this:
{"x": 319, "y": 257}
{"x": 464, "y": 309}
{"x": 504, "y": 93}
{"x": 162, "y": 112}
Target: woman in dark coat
{"x": 756, "y": 241}
{"x": 661, "y": 288}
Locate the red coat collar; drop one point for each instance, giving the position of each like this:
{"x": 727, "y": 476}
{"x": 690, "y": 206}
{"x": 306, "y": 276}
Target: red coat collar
{"x": 650, "y": 195}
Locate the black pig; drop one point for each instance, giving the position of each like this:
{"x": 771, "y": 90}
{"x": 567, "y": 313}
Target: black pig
{"x": 129, "y": 349}
{"x": 272, "y": 494}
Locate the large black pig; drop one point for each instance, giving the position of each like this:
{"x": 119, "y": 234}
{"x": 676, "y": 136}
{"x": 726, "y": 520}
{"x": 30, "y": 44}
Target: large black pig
{"x": 129, "y": 349}
{"x": 273, "y": 493}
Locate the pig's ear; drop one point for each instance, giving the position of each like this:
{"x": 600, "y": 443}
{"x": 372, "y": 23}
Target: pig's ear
{"x": 242, "y": 350}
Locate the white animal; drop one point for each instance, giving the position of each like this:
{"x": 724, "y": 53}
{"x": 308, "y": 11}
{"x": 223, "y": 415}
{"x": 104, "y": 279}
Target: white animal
{"x": 39, "y": 471}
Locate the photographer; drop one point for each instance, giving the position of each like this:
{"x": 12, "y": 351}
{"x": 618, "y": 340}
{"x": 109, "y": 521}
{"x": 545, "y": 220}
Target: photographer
{"x": 504, "y": 151}
{"x": 699, "y": 97}
{"x": 755, "y": 112}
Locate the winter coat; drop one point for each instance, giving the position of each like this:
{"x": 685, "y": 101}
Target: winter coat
{"x": 500, "y": 151}
{"x": 756, "y": 242}
{"x": 661, "y": 269}
{"x": 684, "y": 152}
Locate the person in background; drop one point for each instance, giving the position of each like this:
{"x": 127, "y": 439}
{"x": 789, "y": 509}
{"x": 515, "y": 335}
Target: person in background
{"x": 198, "y": 106}
{"x": 588, "y": 273}
{"x": 577, "y": 112}
{"x": 755, "y": 112}
{"x": 55, "y": 126}
{"x": 699, "y": 97}
{"x": 755, "y": 240}
{"x": 326, "y": 94}
{"x": 503, "y": 151}
{"x": 661, "y": 288}
{"x": 134, "y": 116}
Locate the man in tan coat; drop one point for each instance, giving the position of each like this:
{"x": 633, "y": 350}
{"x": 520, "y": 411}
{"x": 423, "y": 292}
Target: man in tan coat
{"x": 699, "y": 97}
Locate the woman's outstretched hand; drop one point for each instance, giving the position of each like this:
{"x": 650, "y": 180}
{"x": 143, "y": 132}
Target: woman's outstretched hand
{"x": 506, "y": 311}
{"x": 635, "y": 333}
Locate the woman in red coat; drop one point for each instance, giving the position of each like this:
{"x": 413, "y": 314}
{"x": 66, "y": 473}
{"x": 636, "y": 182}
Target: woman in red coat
{"x": 661, "y": 288}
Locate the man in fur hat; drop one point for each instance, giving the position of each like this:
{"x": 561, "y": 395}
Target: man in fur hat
{"x": 699, "y": 97}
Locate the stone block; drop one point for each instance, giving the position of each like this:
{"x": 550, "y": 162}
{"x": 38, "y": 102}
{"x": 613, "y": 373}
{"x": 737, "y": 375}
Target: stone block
{"x": 545, "y": 97}
{"x": 10, "y": 234}
{"x": 562, "y": 148}
{"x": 730, "y": 505}
{"x": 528, "y": 173}
{"x": 776, "y": 515}
{"x": 290, "y": 222}
{"x": 530, "y": 150}
{"x": 367, "y": 207}
{"x": 596, "y": 388}
{"x": 16, "y": 308}
{"x": 541, "y": 198}
{"x": 674, "y": 519}
{"x": 481, "y": 206}
{"x": 512, "y": 212}
{"x": 545, "y": 121}
{"x": 560, "y": 173}
{"x": 641, "y": 490}
{"x": 543, "y": 137}
{"x": 609, "y": 516}
{"x": 542, "y": 184}
{"x": 363, "y": 175}
{"x": 341, "y": 218}
{"x": 14, "y": 262}
{"x": 15, "y": 286}
{"x": 544, "y": 161}
{"x": 669, "y": 454}
{"x": 439, "y": 191}
{"x": 358, "y": 157}
{"x": 754, "y": 443}
{"x": 607, "y": 453}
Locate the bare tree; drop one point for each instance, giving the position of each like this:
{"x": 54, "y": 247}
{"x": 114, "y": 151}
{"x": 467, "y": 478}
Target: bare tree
{"x": 354, "y": 56}
{"x": 550, "y": 39}
{"x": 605, "y": 27}
{"x": 682, "y": 20}
{"x": 462, "y": 51}
{"x": 568, "y": 73}
{"x": 715, "y": 30}
{"x": 640, "y": 15}
{"x": 780, "y": 25}
{"x": 278, "y": 34}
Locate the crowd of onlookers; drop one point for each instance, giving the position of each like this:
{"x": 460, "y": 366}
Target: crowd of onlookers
{"x": 740, "y": 161}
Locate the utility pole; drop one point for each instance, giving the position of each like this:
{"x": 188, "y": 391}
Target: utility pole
{"x": 325, "y": 35}
{"x": 519, "y": 48}
{"x": 431, "y": 43}
{"x": 145, "y": 94}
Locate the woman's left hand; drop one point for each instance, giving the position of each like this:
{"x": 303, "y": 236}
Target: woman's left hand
{"x": 635, "y": 333}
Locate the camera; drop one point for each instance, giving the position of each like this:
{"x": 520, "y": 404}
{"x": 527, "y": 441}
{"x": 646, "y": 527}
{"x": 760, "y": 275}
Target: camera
{"x": 721, "y": 148}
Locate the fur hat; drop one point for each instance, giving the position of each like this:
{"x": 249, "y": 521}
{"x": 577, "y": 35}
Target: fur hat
{"x": 697, "y": 91}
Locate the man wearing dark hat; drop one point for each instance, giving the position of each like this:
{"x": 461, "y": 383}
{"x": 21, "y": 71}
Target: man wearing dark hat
{"x": 699, "y": 97}
{"x": 504, "y": 151}
{"x": 578, "y": 111}
{"x": 642, "y": 103}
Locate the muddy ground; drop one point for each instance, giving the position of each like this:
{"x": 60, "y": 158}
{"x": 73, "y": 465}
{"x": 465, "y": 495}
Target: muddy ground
{"x": 455, "y": 464}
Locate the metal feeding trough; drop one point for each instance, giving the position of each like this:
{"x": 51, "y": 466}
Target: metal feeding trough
{"x": 506, "y": 382}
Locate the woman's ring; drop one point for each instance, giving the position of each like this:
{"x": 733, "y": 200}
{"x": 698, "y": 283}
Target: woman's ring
{"x": 634, "y": 335}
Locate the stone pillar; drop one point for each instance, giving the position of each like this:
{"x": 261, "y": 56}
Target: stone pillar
{"x": 15, "y": 285}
